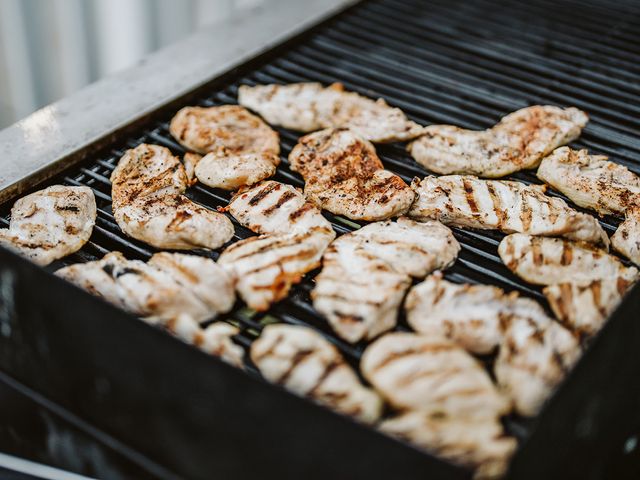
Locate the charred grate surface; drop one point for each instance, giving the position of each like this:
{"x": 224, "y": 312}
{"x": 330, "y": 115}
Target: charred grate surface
{"x": 464, "y": 63}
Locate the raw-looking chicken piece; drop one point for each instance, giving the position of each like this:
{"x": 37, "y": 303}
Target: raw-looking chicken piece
{"x": 431, "y": 373}
{"x": 51, "y": 223}
{"x": 344, "y": 175}
{"x": 148, "y": 188}
{"x": 591, "y": 181}
{"x": 304, "y": 362}
{"x": 626, "y": 240}
{"x": 467, "y": 201}
{"x": 476, "y": 443}
{"x": 169, "y": 285}
{"x": 520, "y": 141}
{"x": 548, "y": 261}
{"x": 366, "y": 273}
{"x": 310, "y": 106}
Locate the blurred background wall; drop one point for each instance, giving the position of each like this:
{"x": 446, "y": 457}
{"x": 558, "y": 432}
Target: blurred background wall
{"x": 50, "y": 48}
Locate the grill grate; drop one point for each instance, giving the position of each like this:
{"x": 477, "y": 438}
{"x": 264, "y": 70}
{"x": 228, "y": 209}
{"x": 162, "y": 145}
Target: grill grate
{"x": 465, "y": 63}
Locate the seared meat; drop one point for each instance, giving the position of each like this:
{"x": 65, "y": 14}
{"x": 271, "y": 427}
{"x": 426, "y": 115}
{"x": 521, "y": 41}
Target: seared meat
{"x": 51, "y": 223}
{"x": 169, "y": 285}
{"x": 626, "y": 240}
{"x": 344, "y": 175}
{"x": 466, "y": 201}
{"x": 591, "y": 181}
{"x": 477, "y": 443}
{"x": 366, "y": 273}
{"x": 431, "y": 373}
{"x": 518, "y": 142}
{"x": 309, "y": 106}
{"x": 149, "y": 205}
{"x": 546, "y": 261}
{"x": 304, "y": 362}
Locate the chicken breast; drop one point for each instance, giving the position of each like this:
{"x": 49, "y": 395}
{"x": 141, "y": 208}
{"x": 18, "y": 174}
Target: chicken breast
{"x": 169, "y": 285}
{"x": 545, "y": 261}
{"x": 302, "y": 361}
{"x": 591, "y": 181}
{"x": 430, "y": 373}
{"x": 366, "y": 273}
{"x": 626, "y": 240}
{"x": 233, "y": 172}
{"x": 148, "y": 203}
{"x": 520, "y": 141}
{"x": 344, "y": 175}
{"x": 310, "y": 106}
{"x": 51, "y": 223}
{"x": 476, "y": 443}
{"x": 466, "y": 201}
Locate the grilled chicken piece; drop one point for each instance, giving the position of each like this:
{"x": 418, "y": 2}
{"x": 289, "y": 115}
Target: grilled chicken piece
{"x": 344, "y": 175}
{"x": 169, "y": 285}
{"x": 304, "y": 362}
{"x": 366, "y": 273}
{"x": 626, "y": 240}
{"x": 233, "y": 172}
{"x": 591, "y": 181}
{"x": 215, "y": 340}
{"x": 149, "y": 205}
{"x": 476, "y": 443}
{"x": 310, "y": 106}
{"x": 584, "y": 309}
{"x": 520, "y": 141}
{"x": 546, "y": 261}
{"x": 466, "y": 201}
{"x": 51, "y": 223}
{"x": 431, "y": 373}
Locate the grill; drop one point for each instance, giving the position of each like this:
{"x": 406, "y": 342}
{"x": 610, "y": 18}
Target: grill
{"x": 464, "y": 63}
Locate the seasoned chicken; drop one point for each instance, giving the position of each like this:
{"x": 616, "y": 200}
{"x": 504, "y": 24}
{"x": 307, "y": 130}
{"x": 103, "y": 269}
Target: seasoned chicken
{"x": 466, "y": 201}
{"x": 51, "y": 223}
{"x": 477, "y": 443}
{"x": 216, "y": 339}
{"x": 233, "y": 172}
{"x": 547, "y": 261}
{"x": 302, "y": 361}
{"x": 431, "y": 373}
{"x": 148, "y": 203}
{"x": 344, "y": 175}
{"x": 626, "y": 240}
{"x": 366, "y": 273}
{"x": 169, "y": 285}
{"x": 310, "y": 106}
{"x": 518, "y": 142}
{"x": 591, "y": 181}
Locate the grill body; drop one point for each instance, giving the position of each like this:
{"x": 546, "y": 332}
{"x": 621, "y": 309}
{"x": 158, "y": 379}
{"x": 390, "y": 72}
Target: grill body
{"x": 181, "y": 413}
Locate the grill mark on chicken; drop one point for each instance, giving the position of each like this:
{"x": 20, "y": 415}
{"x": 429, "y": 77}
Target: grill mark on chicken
{"x": 263, "y": 192}
{"x": 281, "y": 201}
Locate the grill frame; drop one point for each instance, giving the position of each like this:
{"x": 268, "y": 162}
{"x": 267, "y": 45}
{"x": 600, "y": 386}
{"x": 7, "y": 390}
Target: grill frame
{"x": 475, "y": 250}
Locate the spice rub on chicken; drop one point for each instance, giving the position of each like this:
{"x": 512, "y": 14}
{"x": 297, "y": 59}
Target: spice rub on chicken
{"x": 50, "y": 224}
{"x": 310, "y": 106}
{"x": 518, "y": 142}
{"x": 149, "y": 204}
{"x": 344, "y": 175}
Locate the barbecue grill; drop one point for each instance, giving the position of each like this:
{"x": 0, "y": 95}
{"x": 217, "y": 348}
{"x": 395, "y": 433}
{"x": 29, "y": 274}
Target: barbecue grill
{"x": 175, "y": 412}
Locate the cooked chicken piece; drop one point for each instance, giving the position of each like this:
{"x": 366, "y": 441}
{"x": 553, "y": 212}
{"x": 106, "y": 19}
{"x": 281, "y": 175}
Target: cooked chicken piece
{"x": 466, "y": 201}
{"x": 431, "y": 373}
{"x": 304, "y": 362}
{"x": 518, "y": 142}
{"x": 310, "y": 106}
{"x": 344, "y": 175}
{"x": 273, "y": 207}
{"x": 149, "y": 205}
{"x": 190, "y": 161}
{"x": 547, "y": 261}
{"x": 233, "y": 172}
{"x": 51, "y": 223}
{"x": 584, "y": 309}
{"x": 626, "y": 240}
{"x": 215, "y": 340}
{"x": 267, "y": 266}
{"x": 167, "y": 286}
{"x": 366, "y": 273}
{"x": 477, "y": 443}
{"x": 591, "y": 181}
